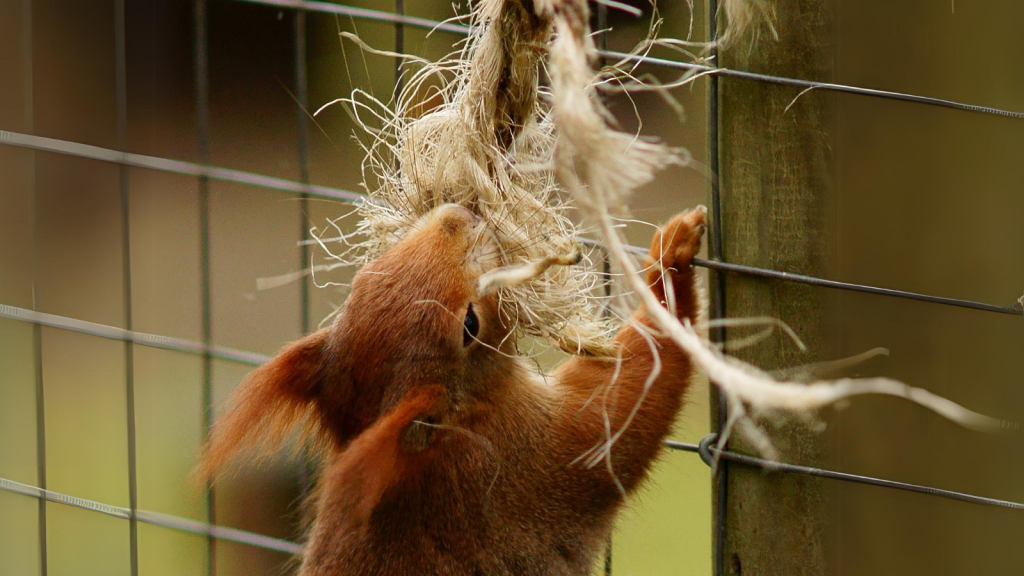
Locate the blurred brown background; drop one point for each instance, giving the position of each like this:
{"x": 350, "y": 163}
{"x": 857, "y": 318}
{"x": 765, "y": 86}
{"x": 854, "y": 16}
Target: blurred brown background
{"x": 919, "y": 198}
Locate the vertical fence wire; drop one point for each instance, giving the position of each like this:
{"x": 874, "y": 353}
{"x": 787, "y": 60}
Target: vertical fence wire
{"x": 602, "y": 45}
{"x": 302, "y": 104}
{"x": 124, "y": 175}
{"x": 202, "y": 80}
{"x": 302, "y": 96}
{"x": 37, "y": 350}
{"x": 28, "y": 78}
{"x": 720, "y": 417}
{"x": 37, "y": 341}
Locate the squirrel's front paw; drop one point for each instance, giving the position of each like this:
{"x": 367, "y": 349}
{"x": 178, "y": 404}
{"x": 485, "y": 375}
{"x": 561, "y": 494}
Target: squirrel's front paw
{"x": 679, "y": 241}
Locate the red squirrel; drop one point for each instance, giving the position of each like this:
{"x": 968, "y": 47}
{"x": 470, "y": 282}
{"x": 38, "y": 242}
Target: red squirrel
{"x": 444, "y": 451}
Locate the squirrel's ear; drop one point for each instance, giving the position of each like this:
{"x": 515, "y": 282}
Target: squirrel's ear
{"x": 269, "y": 403}
{"x": 382, "y": 455}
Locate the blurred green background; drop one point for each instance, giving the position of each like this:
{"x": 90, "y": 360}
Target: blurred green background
{"x": 925, "y": 199}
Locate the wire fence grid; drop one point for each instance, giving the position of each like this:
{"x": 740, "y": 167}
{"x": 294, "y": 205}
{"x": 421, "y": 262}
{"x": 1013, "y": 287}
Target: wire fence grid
{"x": 205, "y": 172}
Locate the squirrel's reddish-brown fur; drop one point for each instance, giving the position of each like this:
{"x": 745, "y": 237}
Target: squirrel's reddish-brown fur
{"x": 450, "y": 459}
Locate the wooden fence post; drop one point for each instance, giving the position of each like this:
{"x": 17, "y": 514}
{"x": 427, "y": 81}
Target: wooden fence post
{"x": 777, "y": 193}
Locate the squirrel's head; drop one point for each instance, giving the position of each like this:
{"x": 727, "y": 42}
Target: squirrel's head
{"x": 413, "y": 320}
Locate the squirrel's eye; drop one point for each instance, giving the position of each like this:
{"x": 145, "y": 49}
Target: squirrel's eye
{"x": 471, "y": 326}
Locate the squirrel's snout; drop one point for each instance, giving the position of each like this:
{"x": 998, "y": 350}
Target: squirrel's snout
{"x": 449, "y": 210}
{"x": 457, "y": 220}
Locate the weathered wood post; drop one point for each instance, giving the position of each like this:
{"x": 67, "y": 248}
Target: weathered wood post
{"x": 776, "y": 187}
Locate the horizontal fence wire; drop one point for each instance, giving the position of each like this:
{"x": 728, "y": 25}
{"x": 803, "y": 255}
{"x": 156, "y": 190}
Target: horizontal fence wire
{"x": 175, "y": 166}
{"x": 811, "y": 85}
{"x": 283, "y": 185}
{"x": 705, "y": 449}
{"x": 141, "y": 338}
{"x": 709, "y": 454}
{"x": 1015, "y": 308}
{"x": 449, "y": 26}
{"x": 155, "y": 518}
{"x": 362, "y": 14}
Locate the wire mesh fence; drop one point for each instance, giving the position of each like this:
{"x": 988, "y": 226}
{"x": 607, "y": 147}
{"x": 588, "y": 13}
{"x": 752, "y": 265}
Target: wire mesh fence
{"x": 304, "y": 190}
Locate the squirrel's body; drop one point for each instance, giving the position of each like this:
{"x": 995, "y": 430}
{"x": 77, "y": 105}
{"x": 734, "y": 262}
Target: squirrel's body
{"x": 487, "y": 500}
{"x": 444, "y": 452}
